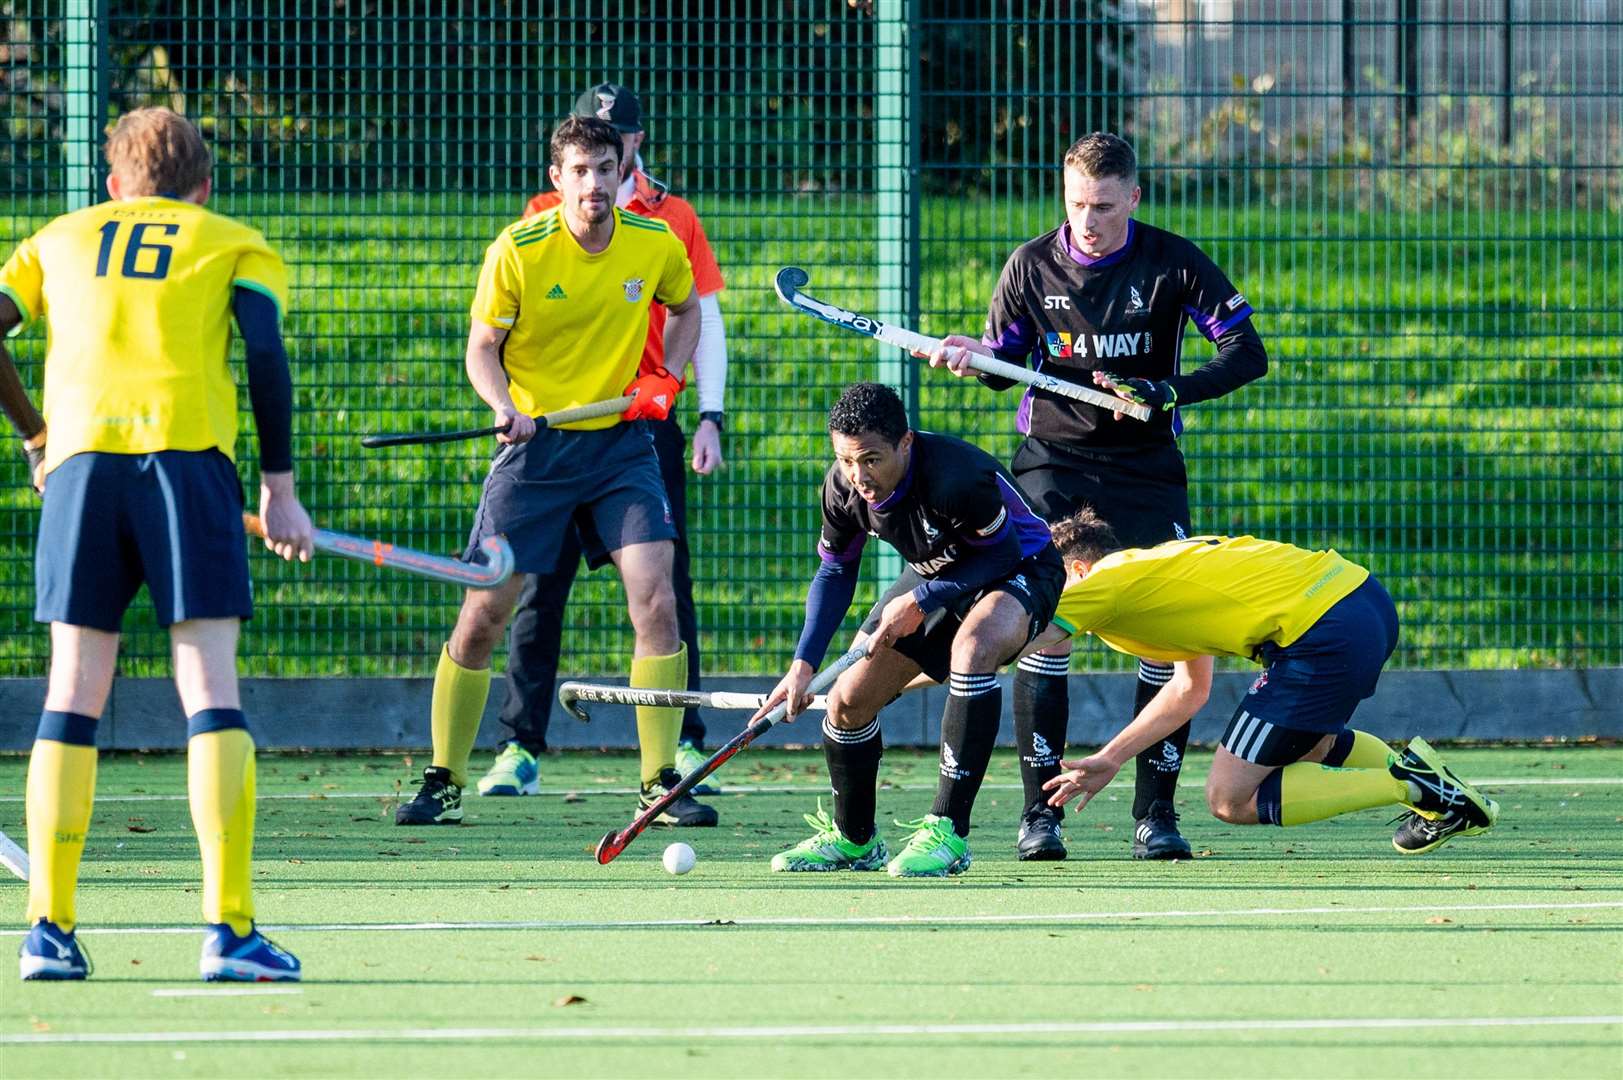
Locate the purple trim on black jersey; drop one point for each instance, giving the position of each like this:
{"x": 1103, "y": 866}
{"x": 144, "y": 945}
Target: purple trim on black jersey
{"x": 1022, "y": 417}
{"x": 1209, "y": 327}
{"x": 1016, "y": 342}
{"x": 1076, "y": 255}
{"x": 901, "y": 488}
{"x": 852, "y": 552}
{"x": 1031, "y": 529}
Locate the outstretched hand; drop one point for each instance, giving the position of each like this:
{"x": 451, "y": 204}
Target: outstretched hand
{"x": 1085, "y": 779}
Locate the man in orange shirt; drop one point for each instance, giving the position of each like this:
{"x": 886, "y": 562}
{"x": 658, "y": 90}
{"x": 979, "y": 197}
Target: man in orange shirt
{"x": 536, "y": 633}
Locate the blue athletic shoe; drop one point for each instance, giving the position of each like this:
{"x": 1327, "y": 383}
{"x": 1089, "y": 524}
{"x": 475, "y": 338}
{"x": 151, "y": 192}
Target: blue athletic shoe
{"x": 50, "y": 952}
{"x": 254, "y": 958}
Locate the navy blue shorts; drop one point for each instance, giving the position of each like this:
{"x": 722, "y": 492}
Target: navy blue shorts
{"x": 1036, "y": 582}
{"x": 604, "y": 483}
{"x": 1310, "y": 687}
{"x": 172, "y": 519}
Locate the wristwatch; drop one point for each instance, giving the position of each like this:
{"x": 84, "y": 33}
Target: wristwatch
{"x": 715, "y": 418}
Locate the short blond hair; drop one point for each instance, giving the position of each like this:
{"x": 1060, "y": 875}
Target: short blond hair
{"x": 157, "y": 151}
{"x": 1100, "y": 155}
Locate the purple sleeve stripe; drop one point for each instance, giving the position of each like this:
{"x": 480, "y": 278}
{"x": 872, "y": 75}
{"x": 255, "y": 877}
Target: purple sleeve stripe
{"x": 1016, "y": 341}
{"x": 1231, "y": 322}
{"x": 852, "y": 552}
{"x": 1206, "y": 324}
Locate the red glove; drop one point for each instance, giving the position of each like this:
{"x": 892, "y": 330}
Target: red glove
{"x": 656, "y": 395}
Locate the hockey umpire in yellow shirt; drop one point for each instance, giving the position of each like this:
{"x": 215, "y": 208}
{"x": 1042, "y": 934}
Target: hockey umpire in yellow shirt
{"x": 560, "y": 317}
{"x": 137, "y": 467}
{"x": 1322, "y": 626}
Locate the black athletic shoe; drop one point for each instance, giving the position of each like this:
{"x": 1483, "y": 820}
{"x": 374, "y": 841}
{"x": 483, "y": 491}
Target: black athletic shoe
{"x": 438, "y": 801}
{"x": 687, "y": 811}
{"x": 1442, "y": 792}
{"x": 1040, "y": 839}
{"x": 1156, "y": 835}
{"x": 1417, "y": 835}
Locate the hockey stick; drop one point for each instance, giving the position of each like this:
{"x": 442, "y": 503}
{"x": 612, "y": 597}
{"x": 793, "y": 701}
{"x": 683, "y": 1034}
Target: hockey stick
{"x": 497, "y": 567}
{"x": 590, "y": 411}
{"x": 791, "y": 278}
{"x": 13, "y": 857}
{"x": 571, "y": 692}
{"x": 615, "y": 842}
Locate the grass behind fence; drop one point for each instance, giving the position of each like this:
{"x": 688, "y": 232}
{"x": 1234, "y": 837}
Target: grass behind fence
{"x": 1444, "y": 405}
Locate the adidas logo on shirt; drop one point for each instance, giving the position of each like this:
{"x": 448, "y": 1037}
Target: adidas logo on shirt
{"x": 557, "y": 293}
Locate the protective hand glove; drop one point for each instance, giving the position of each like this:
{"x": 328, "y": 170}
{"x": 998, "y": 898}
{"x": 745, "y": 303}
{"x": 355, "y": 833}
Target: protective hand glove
{"x": 656, "y": 395}
{"x": 1159, "y": 396}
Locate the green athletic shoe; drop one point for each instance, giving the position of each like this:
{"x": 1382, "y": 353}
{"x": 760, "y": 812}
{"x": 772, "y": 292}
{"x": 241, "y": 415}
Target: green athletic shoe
{"x": 934, "y": 850}
{"x": 688, "y": 759}
{"x": 827, "y": 849}
{"x": 514, "y": 773}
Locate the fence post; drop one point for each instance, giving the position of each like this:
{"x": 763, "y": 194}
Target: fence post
{"x": 85, "y": 101}
{"x": 897, "y": 229}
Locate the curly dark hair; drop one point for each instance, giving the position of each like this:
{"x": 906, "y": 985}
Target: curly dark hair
{"x": 866, "y": 407}
{"x": 1084, "y": 535}
{"x": 586, "y": 134}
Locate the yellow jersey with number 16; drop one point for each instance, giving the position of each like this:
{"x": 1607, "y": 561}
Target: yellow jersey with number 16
{"x": 136, "y": 299}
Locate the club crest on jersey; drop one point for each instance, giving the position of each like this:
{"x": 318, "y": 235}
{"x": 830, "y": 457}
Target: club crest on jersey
{"x": 1262, "y": 680}
{"x": 1059, "y": 344}
{"x": 1236, "y": 302}
{"x": 633, "y": 288}
{"x": 1135, "y": 302}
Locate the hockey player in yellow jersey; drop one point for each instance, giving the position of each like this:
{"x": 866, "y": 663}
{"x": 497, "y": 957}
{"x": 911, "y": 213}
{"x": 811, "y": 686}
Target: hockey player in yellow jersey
{"x": 560, "y": 318}
{"x": 1322, "y": 626}
{"x": 135, "y": 458}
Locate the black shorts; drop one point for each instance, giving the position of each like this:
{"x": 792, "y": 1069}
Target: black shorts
{"x": 1035, "y": 582}
{"x": 1310, "y": 687}
{"x": 1141, "y": 493}
{"x": 171, "y": 519}
{"x": 604, "y": 483}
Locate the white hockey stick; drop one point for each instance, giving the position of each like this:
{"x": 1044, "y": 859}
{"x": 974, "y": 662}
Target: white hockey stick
{"x": 571, "y": 692}
{"x": 791, "y": 278}
{"x": 13, "y": 857}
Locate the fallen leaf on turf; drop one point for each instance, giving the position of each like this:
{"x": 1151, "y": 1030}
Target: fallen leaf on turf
{"x": 573, "y": 796}
{"x": 137, "y": 963}
{"x": 396, "y": 853}
{"x": 535, "y": 957}
{"x": 1143, "y": 986}
{"x": 569, "y": 999}
{"x": 38, "y": 1025}
{"x": 143, "y": 828}
{"x": 1438, "y": 920}
{"x": 296, "y": 862}
{"x": 414, "y": 840}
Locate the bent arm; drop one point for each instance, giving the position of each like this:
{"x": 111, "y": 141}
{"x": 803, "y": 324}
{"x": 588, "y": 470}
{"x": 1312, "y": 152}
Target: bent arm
{"x": 827, "y": 601}
{"x": 270, "y": 385}
{"x": 14, "y": 400}
{"x": 1176, "y": 702}
{"x": 682, "y": 334}
{"x": 1240, "y": 359}
{"x": 484, "y": 366}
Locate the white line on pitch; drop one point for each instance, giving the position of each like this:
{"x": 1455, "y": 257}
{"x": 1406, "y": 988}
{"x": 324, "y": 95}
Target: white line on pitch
{"x": 224, "y": 991}
{"x": 861, "y": 920}
{"x": 812, "y": 1031}
{"x": 788, "y": 789}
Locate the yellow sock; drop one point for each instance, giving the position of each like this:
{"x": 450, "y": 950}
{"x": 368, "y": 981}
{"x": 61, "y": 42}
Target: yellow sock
{"x": 1367, "y": 752}
{"x": 61, "y": 789}
{"x": 220, "y": 781}
{"x": 1312, "y": 792}
{"x": 459, "y": 705}
{"x": 658, "y": 729}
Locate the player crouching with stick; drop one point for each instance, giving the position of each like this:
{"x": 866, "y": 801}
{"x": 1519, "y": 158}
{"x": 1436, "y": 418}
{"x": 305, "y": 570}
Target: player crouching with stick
{"x": 1323, "y": 626}
{"x": 559, "y": 319}
{"x": 982, "y": 583}
{"x": 139, "y": 484}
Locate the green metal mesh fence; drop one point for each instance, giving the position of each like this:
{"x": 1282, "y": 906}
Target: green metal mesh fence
{"x": 1422, "y": 199}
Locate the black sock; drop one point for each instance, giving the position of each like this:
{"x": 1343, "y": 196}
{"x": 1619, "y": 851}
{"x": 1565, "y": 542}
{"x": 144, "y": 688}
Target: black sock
{"x": 853, "y": 769}
{"x": 968, "y": 733}
{"x": 1042, "y": 711}
{"x": 1159, "y": 763}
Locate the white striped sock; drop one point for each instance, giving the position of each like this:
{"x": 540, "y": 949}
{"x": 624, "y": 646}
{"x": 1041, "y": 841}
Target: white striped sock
{"x": 961, "y": 685}
{"x": 1038, "y": 664}
{"x": 850, "y": 738}
{"x": 1153, "y": 673}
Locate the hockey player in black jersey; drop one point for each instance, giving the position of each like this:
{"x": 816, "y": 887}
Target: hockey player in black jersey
{"x": 1103, "y": 300}
{"x": 982, "y": 581}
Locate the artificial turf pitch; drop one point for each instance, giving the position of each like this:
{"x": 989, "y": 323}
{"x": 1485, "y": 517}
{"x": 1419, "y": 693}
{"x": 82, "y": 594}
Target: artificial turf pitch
{"x": 502, "y": 948}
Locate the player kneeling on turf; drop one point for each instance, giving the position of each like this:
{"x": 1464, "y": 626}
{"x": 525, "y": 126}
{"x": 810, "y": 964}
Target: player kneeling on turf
{"x": 983, "y": 581}
{"x": 139, "y": 485}
{"x": 1322, "y": 626}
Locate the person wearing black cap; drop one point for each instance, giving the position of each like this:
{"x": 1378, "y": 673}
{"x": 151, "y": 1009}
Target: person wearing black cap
{"x": 537, "y": 629}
